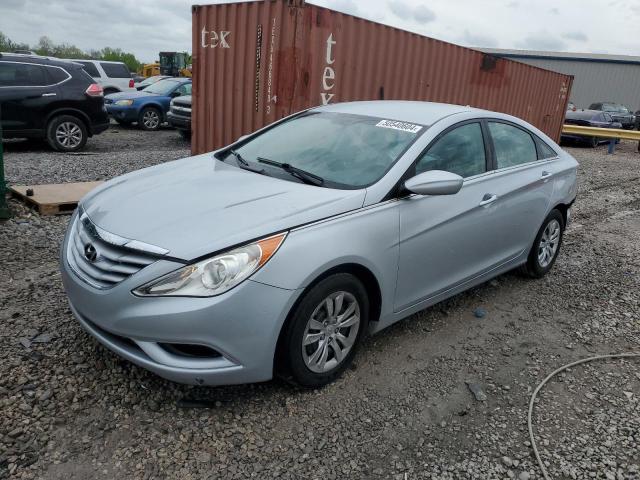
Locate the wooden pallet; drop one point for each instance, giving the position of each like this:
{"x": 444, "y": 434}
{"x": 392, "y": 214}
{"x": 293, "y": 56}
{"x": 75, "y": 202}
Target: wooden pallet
{"x": 54, "y": 199}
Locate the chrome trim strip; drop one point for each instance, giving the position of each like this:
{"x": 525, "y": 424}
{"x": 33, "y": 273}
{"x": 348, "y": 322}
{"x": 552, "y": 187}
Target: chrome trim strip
{"x": 117, "y": 240}
{"x": 161, "y": 356}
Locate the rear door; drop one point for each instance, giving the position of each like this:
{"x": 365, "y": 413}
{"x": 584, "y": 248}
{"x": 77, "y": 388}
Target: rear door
{"x": 26, "y": 92}
{"x": 523, "y": 184}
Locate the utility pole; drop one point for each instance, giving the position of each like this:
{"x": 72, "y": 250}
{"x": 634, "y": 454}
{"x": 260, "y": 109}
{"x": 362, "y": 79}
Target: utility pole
{"x": 4, "y": 208}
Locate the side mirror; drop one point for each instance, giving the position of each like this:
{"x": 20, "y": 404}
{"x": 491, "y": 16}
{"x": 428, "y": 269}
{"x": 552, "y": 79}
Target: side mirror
{"x": 435, "y": 182}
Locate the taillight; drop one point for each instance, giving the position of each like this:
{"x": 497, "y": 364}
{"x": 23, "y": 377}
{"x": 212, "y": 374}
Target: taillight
{"x": 131, "y": 83}
{"x": 95, "y": 90}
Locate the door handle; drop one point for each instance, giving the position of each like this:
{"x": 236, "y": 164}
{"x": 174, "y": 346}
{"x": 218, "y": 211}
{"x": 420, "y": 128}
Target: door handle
{"x": 488, "y": 198}
{"x": 48, "y": 95}
{"x": 545, "y": 174}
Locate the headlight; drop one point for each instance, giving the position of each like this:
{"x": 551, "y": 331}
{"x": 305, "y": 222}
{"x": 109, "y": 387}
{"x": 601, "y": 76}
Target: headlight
{"x": 215, "y": 275}
{"x": 124, "y": 103}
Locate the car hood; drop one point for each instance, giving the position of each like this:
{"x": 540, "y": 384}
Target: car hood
{"x": 130, "y": 95}
{"x": 199, "y": 205}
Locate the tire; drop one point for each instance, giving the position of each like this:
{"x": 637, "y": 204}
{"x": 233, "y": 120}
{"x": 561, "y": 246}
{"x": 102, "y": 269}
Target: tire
{"x": 309, "y": 366}
{"x": 185, "y": 134}
{"x": 150, "y": 119}
{"x": 537, "y": 264}
{"x": 66, "y": 133}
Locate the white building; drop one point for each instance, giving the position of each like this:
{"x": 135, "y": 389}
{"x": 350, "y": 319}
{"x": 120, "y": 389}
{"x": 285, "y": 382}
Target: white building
{"x": 597, "y": 77}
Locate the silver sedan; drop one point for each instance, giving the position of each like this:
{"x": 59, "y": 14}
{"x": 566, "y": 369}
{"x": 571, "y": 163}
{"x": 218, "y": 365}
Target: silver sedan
{"x": 277, "y": 254}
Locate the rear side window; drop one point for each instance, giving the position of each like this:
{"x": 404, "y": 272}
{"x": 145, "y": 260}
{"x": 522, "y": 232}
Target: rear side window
{"x": 23, "y": 75}
{"x": 116, "y": 70}
{"x": 90, "y": 68}
{"x": 57, "y": 75}
{"x": 544, "y": 150}
{"x": 459, "y": 151}
{"x": 513, "y": 146}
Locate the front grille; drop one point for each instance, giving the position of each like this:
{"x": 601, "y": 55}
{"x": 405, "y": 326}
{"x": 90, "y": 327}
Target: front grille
{"x": 100, "y": 262}
{"x": 180, "y": 110}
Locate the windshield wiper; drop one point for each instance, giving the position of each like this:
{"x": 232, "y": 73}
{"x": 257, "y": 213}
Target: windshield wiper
{"x": 306, "y": 177}
{"x": 242, "y": 163}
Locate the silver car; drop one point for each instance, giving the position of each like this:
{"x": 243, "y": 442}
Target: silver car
{"x": 278, "y": 254}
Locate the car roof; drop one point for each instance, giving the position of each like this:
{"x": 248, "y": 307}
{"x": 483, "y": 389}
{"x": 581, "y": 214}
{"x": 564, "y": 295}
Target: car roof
{"x": 37, "y": 59}
{"x": 583, "y": 114}
{"x": 424, "y": 113}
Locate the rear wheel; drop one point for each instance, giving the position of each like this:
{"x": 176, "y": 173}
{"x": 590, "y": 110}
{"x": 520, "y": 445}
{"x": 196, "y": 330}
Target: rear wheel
{"x": 324, "y": 331}
{"x": 150, "y": 118}
{"x": 546, "y": 246}
{"x": 66, "y": 133}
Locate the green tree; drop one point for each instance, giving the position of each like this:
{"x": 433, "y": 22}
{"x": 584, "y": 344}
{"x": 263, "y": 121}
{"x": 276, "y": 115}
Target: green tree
{"x": 117, "y": 55}
{"x": 6, "y": 45}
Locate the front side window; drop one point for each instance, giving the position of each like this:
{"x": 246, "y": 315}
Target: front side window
{"x": 184, "y": 89}
{"x": 513, "y": 146}
{"x": 459, "y": 151}
{"x": 347, "y": 151}
{"x": 22, "y": 75}
{"x": 115, "y": 70}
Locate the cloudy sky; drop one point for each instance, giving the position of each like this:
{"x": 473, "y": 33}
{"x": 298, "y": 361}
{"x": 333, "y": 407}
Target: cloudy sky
{"x": 146, "y": 27}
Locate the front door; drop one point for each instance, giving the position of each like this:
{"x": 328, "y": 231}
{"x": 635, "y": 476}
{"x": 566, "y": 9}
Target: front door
{"x": 445, "y": 240}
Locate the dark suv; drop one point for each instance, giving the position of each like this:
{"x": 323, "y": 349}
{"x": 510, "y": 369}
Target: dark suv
{"x": 52, "y": 99}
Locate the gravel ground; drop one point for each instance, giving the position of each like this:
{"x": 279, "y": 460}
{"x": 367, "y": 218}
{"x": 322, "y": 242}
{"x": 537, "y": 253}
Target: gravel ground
{"x": 69, "y": 409}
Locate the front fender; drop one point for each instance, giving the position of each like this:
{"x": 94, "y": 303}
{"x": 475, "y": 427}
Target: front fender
{"x": 367, "y": 237}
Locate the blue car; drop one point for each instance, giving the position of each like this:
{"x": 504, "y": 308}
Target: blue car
{"x": 148, "y": 107}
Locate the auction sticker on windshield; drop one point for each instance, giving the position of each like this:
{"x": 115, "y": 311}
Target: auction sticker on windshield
{"x": 404, "y": 126}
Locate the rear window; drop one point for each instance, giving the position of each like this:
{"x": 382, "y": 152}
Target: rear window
{"x": 116, "y": 70}
{"x": 90, "y": 68}
{"x": 23, "y": 75}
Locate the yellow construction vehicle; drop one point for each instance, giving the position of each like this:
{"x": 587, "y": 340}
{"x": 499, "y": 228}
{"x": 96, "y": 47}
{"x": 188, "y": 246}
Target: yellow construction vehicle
{"x": 150, "y": 69}
{"x": 174, "y": 64}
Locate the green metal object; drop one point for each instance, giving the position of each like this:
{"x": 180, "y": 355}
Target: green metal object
{"x": 4, "y": 208}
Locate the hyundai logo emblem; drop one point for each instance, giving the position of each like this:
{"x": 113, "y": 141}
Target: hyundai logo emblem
{"x": 90, "y": 252}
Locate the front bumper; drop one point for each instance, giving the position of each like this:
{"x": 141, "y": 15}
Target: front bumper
{"x": 242, "y": 325}
{"x": 122, "y": 113}
{"x": 179, "y": 121}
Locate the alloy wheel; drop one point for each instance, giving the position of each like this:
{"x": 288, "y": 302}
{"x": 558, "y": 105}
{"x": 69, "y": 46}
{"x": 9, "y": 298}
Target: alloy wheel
{"x": 151, "y": 119}
{"x": 549, "y": 243}
{"x": 68, "y": 134}
{"x": 331, "y": 332}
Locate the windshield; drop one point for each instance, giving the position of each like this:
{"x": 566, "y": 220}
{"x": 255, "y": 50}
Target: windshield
{"x": 163, "y": 87}
{"x": 347, "y": 151}
{"x": 150, "y": 80}
{"x": 612, "y": 107}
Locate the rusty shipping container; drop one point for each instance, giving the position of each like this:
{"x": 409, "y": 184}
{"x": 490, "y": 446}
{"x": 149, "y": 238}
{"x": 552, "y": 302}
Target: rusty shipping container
{"x": 256, "y": 62}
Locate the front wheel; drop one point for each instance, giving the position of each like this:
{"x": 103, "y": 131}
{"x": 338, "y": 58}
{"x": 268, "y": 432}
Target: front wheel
{"x": 150, "y": 118}
{"x": 546, "y": 246}
{"x": 324, "y": 331}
